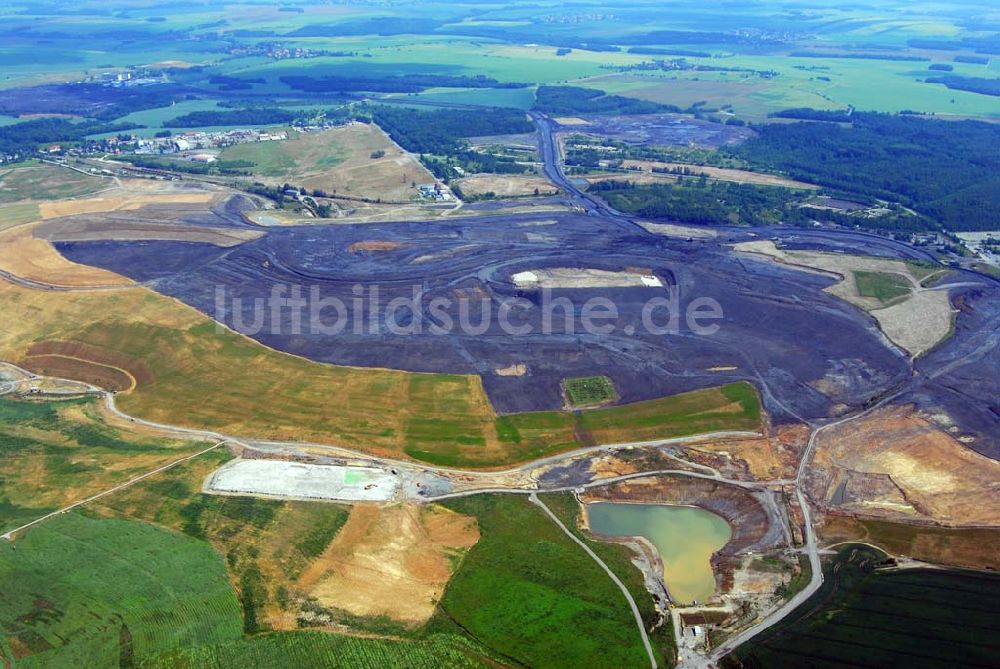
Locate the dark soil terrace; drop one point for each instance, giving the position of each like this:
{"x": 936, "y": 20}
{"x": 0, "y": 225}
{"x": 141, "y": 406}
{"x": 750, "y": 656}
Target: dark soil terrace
{"x": 779, "y": 329}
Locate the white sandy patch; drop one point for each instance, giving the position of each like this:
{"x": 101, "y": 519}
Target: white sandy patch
{"x": 298, "y": 480}
{"x": 574, "y": 277}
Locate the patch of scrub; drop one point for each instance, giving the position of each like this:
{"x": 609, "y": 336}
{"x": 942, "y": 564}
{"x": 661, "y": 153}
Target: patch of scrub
{"x": 684, "y": 536}
{"x": 298, "y": 480}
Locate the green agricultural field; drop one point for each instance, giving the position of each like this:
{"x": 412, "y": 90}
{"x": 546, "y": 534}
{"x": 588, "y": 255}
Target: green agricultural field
{"x": 12, "y": 215}
{"x": 532, "y": 595}
{"x": 531, "y": 435}
{"x": 864, "y": 618}
{"x": 267, "y": 543}
{"x": 734, "y": 406}
{"x": 55, "y": 453}
{"x": 42, "y": 181}
{"x": 883, "y": 286}
{"x": 80, "y": 592}
{"x": 589, "y": 390}
{"x": 321, "y": 650}
{"x": 271, "y": 159}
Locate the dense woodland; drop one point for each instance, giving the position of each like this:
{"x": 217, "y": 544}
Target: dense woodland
{"x": 698, "y": 200}
{"x": 261, "y": 116}
{"x": 946, "y": 170}
{"x": 25, "y": 137}
{"x": 444, "y": 131}
{"x": 981, "y": 85}
{"x": 410, "y": 83}
{"x": 577, "y": 100}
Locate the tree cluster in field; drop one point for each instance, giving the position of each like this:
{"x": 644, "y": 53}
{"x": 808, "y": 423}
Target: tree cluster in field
{"x": 407, "y": 83}
{"x": 224, "y": 167}
{"x": 440, "y": 137}
{"x": 981, "y": 85}
{"x": 24, "y": 138}
{"x": 697, "y": 199}
{"x": 807, "y": 114}
{"x": 577, "y": 100}
{"x": 253, "y": 116}
{"x": 948, "y": 171}
{"x": 471, "y": 162}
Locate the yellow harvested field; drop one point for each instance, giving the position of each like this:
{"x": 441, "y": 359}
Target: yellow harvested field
{"x": 391, "y": 561}
{"x": 720, "y": 173}
{"x": 937, "y": 477}
{"x": 506, "y": 185}
{"x": 571, "y": 120}
{"x": 27, "y": 257}
{"x": 121, "y": 200}
{"x": 197, "y": 374}
{"x": 916, "y": 323}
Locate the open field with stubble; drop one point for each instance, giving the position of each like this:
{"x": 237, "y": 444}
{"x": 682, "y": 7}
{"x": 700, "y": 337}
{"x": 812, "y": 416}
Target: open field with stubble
{"x": 338, "y": 162}
{"x": 42, "y": 181}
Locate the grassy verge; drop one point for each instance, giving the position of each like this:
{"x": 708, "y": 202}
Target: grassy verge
{"x": 619, "y": 559}
{"x": 528, "y": 592}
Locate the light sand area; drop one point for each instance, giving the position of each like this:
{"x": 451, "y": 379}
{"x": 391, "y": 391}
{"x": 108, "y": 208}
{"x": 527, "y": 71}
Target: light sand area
{"x": 297, "y": 480}
{"x": 915, "y": 323}
{"x": 937, "y": 477}
{"x": 128, "y": 198}
{"x": 572, "y": 277}
{"x": 571, "y": 121}
{"x": 506, "y": 185}
{"x": 720, "y": 173}
{"x": 28, "y": 257}
{"x": 674, "y": 230}
{"x": 391, "y": 561}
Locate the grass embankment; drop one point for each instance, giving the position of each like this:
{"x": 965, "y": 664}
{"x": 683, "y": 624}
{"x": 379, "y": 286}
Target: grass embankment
{"x": 194, "y": 374}
{"x": 883, "y": 286}
{"x": 308, "y": 650}
{"x": 734, "y": 406}
{"x": 528, "y": 592}
{"x": 55, "y": 453}
{"x": 619, "y": 557}
{"x": 267, "y": 543}
{"x": 863, "y": 618}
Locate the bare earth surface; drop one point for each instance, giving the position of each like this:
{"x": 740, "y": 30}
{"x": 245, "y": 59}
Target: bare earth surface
{"x": 391, "y": 561}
